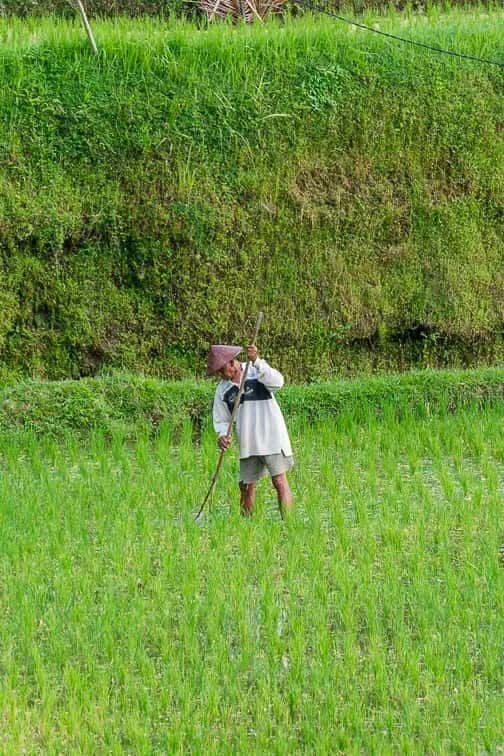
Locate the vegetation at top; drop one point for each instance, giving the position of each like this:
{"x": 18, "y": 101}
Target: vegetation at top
{"x": 154, "y": 198}
{"x": 189, "y": 7}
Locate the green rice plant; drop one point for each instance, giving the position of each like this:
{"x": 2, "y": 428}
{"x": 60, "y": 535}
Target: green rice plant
{"x": 371, "y": 620}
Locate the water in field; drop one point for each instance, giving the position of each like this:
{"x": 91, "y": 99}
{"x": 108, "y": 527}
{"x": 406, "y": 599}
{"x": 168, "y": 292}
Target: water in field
{"x": 371, "y": 620}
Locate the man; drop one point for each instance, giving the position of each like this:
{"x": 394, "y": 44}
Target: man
{"x": 260, "y": 426}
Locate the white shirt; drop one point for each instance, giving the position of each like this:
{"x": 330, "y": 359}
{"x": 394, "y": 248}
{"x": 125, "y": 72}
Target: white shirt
{"x": 260, "y": 425}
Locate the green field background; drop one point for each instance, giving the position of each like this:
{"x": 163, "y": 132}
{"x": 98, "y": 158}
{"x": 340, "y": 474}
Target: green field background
{"x": 369, "y": 622}
{"x": 154, "y": 198}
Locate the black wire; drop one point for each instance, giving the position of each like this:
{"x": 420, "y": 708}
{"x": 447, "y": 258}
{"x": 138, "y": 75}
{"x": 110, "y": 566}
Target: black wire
{"x": 321, "y": 9}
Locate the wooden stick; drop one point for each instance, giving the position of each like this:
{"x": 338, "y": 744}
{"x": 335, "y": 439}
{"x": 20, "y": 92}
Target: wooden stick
{"x": 230, "y": 426}
{"x": 87, "y": 26}
{"x": 253, "y": 9}
{"x": 212, "y": 13}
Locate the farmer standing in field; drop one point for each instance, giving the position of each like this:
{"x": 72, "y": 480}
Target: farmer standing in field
{"x": 262, "y": 433}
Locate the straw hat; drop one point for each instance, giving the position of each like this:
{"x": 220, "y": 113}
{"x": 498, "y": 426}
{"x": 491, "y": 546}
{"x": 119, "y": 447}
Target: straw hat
{"x": 220, "y": 354}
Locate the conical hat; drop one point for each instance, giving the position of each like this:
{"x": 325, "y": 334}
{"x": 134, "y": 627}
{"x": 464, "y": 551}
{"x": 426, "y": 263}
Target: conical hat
{"x": 220, "y": 354}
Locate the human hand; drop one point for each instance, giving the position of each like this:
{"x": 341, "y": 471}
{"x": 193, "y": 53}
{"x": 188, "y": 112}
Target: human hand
{"x": 252, "y": 352}
{"x": 223, "y": 442}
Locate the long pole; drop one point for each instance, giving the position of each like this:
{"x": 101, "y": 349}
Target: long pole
{"x": 87, "y": 26}
{"x": 230, "y": 426}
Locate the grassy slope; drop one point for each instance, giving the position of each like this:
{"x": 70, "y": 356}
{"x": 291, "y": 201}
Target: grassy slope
{"x": 349, "y": 186}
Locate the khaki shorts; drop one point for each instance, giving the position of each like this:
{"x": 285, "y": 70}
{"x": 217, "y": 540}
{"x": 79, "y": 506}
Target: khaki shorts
{"x": 254, "y": 468}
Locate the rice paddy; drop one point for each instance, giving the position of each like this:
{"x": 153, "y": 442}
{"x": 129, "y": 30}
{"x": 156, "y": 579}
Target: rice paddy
{"x": 371, "y": 620}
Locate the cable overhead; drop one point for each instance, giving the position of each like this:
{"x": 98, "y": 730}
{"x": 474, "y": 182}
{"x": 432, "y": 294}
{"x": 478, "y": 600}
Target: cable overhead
{"x": 321, "y": 9}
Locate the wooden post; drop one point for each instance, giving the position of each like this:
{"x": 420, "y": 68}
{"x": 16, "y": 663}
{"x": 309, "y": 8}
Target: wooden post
{"x": 87, "y": 26}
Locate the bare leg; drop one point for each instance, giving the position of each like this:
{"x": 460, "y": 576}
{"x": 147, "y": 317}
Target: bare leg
{"x": 283, "y": 492}
{"x": 247, "y": 498}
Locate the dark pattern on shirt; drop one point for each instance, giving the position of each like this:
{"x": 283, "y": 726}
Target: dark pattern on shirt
{"x": 255, "y": 391}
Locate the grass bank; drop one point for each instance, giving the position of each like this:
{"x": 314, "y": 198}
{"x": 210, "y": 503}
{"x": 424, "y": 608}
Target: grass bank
{"x": 132, "y": 404}
{"x": 349, "y": 186}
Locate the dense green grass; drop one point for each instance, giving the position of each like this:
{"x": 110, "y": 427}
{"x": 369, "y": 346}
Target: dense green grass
{"x": 128, "y": 403}
{"x": 348, "y": 185}
{"x": 371, "y": 621}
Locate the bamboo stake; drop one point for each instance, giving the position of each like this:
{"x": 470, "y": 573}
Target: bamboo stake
{"x": 254, "y": 11}
{"x": 87, "y": 26}
{"x": 217, "y": 3}
{"x": 230, "y": 426}
{"x": 246, "y": 9}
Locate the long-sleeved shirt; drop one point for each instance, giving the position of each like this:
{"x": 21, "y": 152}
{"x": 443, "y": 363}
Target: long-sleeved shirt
{"x": 260, "y": 425}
